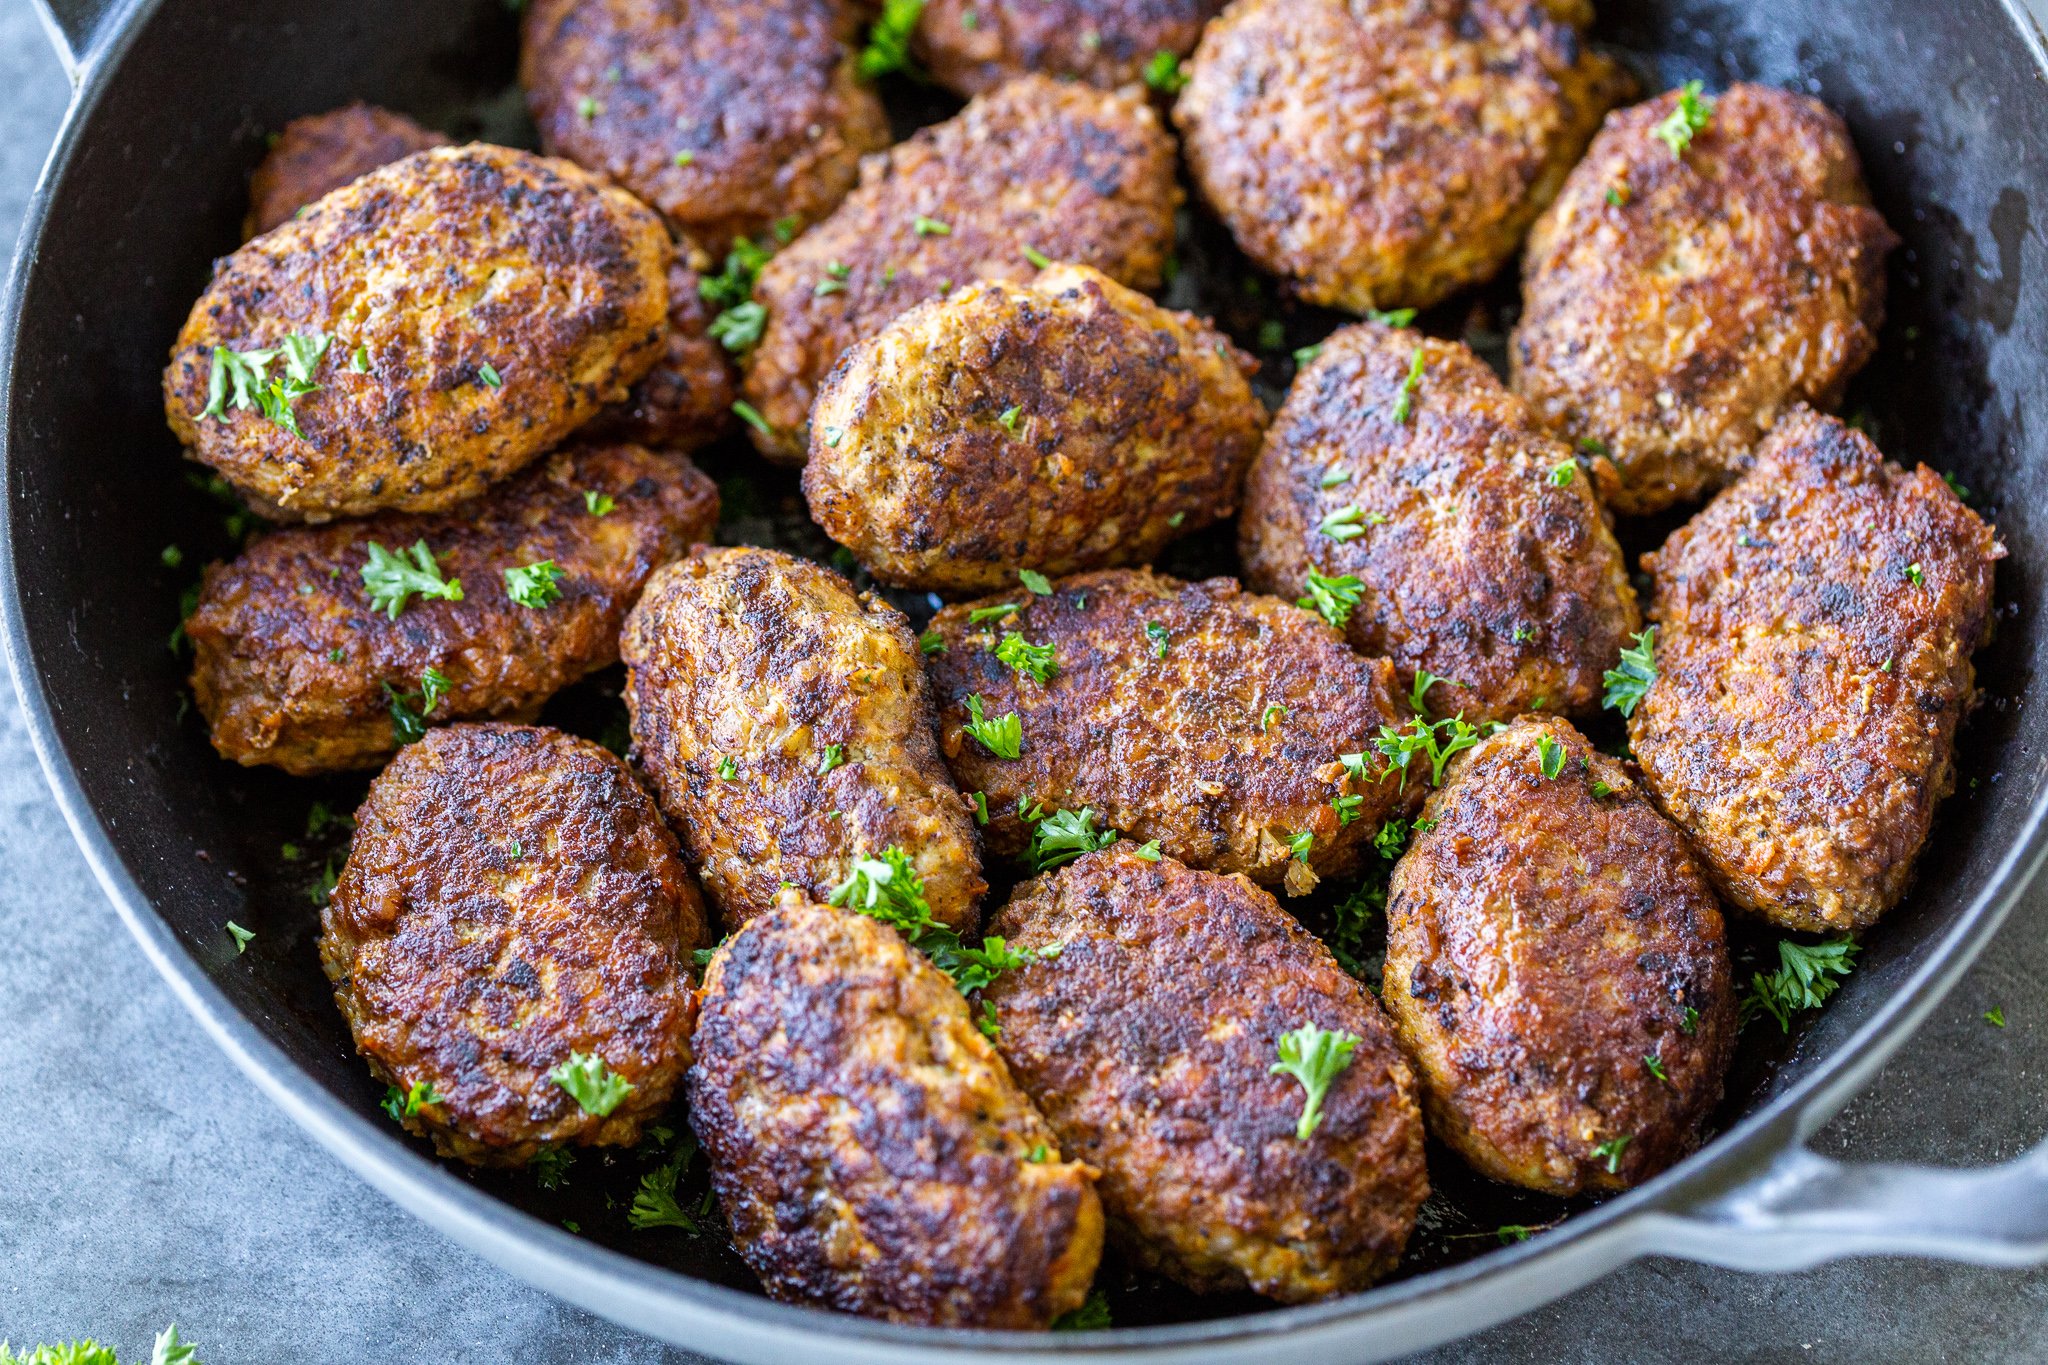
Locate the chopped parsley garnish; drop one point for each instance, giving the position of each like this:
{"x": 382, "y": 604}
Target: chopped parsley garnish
{"x": 550, "y": 1166}
{"x": 1806, "y": 977}
{"x": 888, "y": 45}
{"x": 1304, "y": 354}
{"x": 995, "y": 613}
{"x": 888, "y": 889}
{"x": 785, "y": 228}
{"x": 323, "y": 886}
{"x": 1315, "y": 1057}
{"x": 1300, "y": 844}
{"x": 1003, "y": 736}
{"x": 738, "y": 328}
{"x": 683, "y": 158}
{"x": 598, "y": 504}
{"x": 1419, "y": 693}
{"x": 360, "y": 360}
{"x": 1333, "y": 477}
{"x": 833, "y": 757}
{"x": 587, "y": 108}
{"x": 1995, "y": 1016}
{"x": 1332, "y": 598}
{"x": 727, "y": 769}
{"x": 1549, "y": 756}
{"x": 1611, "y": 1150}
{"x": 1163, "y": 73}
{"x": 1348, "y": 923}
{"x": 595, "y": 1087}
{"x": 1063, "y": 836}
{"x": 1274, "y": 711}
{"x": 1561, "y": 473}
{"x": 1588, "y": 446}
{"x": 404, "y": 1104}
{"x": 1617, "y": 196}
{"x": 1688, "y": 117}
{"x": 1404, "y": 402}
{"x": 1156, "y": 633}
{"x": 1654, "y": 1064}
{"x": 1436, "y": 740}
{"x": 394, "y": 579}
{"x": 172, "y": 556}
{"x": 654, "y": 1203}
{"x": 930, "y": 227}
{"x": 1149, "y": 851}
{"x": 980, "y": 800}
{"x": 1346, "y": 523}
{"x": 1036, "y": 257}
{"x": 1602, "y": 788}
{"x": 490, "y": 376}
{"x": 1272, "y": 334}
{"x": 751, "y": 415}
{"x": 1914, "y": 576}
{"x": 1037, "y": 582}
{"x": 1629, "y": 681}
{"x": 931, "y": 642}
{"x": 990, "y": 1026}
{"x": 408, "y": 725}
{"x": 536, "y": 585}
{"x": 1008, "y": 419}
{"x": 242, "y": 379}
{"x": 1690, "y": 1022}
{"x": 1091, "y": 1316}
{"x": 1029, "y": 660}
{"x": 1399, "y": 317}
{"x": 241, "y": 935}
{"x": 1392, "y": 839}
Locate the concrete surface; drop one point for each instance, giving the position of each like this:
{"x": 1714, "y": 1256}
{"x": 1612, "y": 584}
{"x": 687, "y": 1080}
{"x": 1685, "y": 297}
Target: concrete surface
{"x": 143, "y": 1180}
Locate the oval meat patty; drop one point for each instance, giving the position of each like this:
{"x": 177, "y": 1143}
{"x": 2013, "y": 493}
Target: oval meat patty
{"x": 450, "y": 316}
{"x": 971, "y": 47}
{"x": 513, "y": 911}
{"x": 1455, "y": 535}
{"x": 1557, "y": 968}
{"x": 1383, "y": 153}
{"x": 787, "y": 725}
{"x": 1204, "y": 717}
{"x": 1062, "y": 425}
{"x": 320, "y": 153}
{"x": 297, "y": 667}
{"x": 727, "y": 117}
{"x": 1148, "y": 1041}
{"x": 869, "y": 1148}
{"x": 1058, "y": 172}
{"x": 1673, "y": 306}
{"x": 1817, "y": 621}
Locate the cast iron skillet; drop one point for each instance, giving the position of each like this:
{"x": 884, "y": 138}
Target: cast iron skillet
{"x": 147, "y": 183}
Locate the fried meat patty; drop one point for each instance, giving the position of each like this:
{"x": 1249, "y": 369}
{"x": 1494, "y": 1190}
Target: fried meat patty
{"x": 726, "y": 115}
{"x": 1196, "y": 714}
{"x": 1148, "y": 1042}
{"x": 1674, "y": 306}
{"x": 453, "y": 315}
{"x": 1474, "y": 544}
{"x": 1382, "y": 153}
{"x": 513, "y": 904}
{"x": 787, "y": 726}
{"x": 294, "y": 666}
{"x": 1062, "y": 172}
{"x": 1817, "y": 623}
{"x": 1557, "y": 968}
{"x": 869, "y": 1148}
{"x": 970, "y": 46}
{"x": 320, "y": 153}
{"x": 1061, "y": 425}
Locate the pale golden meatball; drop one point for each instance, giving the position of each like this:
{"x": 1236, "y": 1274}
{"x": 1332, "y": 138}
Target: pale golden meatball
{"x": 317, "y": 154}
{"x": 787, "y": 726}
{"x": 450, "y": 317}
{"x": 1441, "y": 525}
{"x": 1384, "y": 153}
{"x": 1065, "y": 424}
{"x": 971, "y": 46}
{"x": 1816, "y": 624}
{"x": 1675, "y": 305}
{"x": 1035, "y": 169}
{"x": 867, "y": 1143}
{"x": 1557, "y": 968}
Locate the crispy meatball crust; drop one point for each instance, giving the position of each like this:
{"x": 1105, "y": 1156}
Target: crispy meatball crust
{"x": 1676, "y": 322}
{"x": 511, "y": 897}
{"x": 1546, "y": 936}
{"x": 1475, "y": 562}
{"x": 438, "y": 271}
{"x": 1383, "y": 153}
{"x": 685, "y": 402}
{"x": 1817, "y": 623}
{"x": 761, "y": 95}
{"x": 320, "y": 153}
{"x": 770, "y": 663}
{"x": 870, "y": 1150}
{"x": 292, "y": 662}
{"x": 1148, "y": 1042}
{"x": 1061, "y": 425}
{"x": 1186, "y": 749}
{"x": 1073, "y": 173}
{"x": 971, "y": 46}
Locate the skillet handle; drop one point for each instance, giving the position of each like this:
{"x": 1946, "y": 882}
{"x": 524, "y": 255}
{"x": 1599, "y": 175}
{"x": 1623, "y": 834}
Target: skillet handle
{"x": 1805, "y": 1209}
{"x": 78, "y": 29}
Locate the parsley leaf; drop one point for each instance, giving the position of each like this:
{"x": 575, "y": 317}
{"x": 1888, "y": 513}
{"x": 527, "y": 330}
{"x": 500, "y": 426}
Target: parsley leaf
{"x": 1561, "y": 473}
{"x": 833, "y": 757}
{"x": 739, "y": 327}
{"x": 1156, "y": 633}
{"x": 1404, "y": 402}
{"x": 598, "y": 504}
{"x": 931, "y": 642}
{"x": 1995, "y": 1016}
{"x": 1036, "y": 257}
{"x": 1274, "y": 711}
{"x": 168, "y": 1350}
{"x": 977, "y": 615}
{"x": 1549, "y": 756}
{"x": 888, "y": 889}
{"x": 1629, "y": 681}
{"x": 1418, "y": 694}
{"x": 1806, "y": 977}
{"x": 1037, "y": 582}
{"x": 550, "y": 1166}
{"x": 1436, "y": 740}
{"x": 1332, "y": 598}
{"x": 1163, "y": 73}
{"x": 394, "y": 579}
{"x": 1149, "y": 851}
{"x": 403, "y": 1104}
{"x": 654, "y": 1203}
{"x": 1300, "y": 844}
{"x": 1346, "y": 523}
{"x": 930, "y": 227}
{"x": 1689, "y": 116}
{"x": 1033, "y": 661}
{"x": 241, "y": 937}
{"x": 1091, "y": 1316}
{"x": 242, "y": 379}
{"x": 1063, "y": 836}
{"x": 888, "y": 45}
{"x": 1348, "y": 923}
{"x": 595, "y": 1087}
{"x": 1392, "y": 840}
{"x": 536, "y": 585}
{"x": 1315, "y": 1057}
{"x": 1399, "y": 317}
{"x": 1612, "y": 1149}
{"x": 1003, "y": 736}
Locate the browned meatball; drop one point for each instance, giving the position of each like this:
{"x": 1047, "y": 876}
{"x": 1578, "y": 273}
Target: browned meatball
{"x": 449, "y": 317}
{"x": 1034, "y": 169}
{"x": 1195, "y": 714}
{"x": 728, "y": 117}
{"x": 1674, "y": 305}
{"x": 322, "y": 152}
{"x": 1384, "y": 153}
{"x": 513, "y": 908}
{"x": 685, "y": 401}
{"x": 1066, "y": 424}
{"x": 1473, "y": 543}
{"x": 1817, "y": 624}
{"x": 296, "y": 666}
{"x": 1557, "y": 968}
{"x": 972, "y": 46}
{"x": 1149, "y": 1040}
{"x": 787, "y": 725}
{"x": 870, "y": 1150}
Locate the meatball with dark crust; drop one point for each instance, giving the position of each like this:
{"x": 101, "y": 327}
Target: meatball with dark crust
{"x": 1062, "y": 425}
{"x": 1479, "y": 545}
{"x": 1062, "y": 171}
{"x": 972, "y": 46}
{"x": 320, "y": 153}
{"x": 1148, "y": 1042}
{"x": 513, "y": 901}
{"x": 1196, "y": 714}
{"x": 1385, "y": 153}
{"x": 1816, "y": 625}
{"x": 1557, "y": 968}
{"x": 455, "y": 315}
{"x": 869, "y": 1147}
{"x": 787, "y": 726}
{"x": 1674, "y": 306}
{"x": 294, "y": 666}
{"x": 729, "y": 116}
